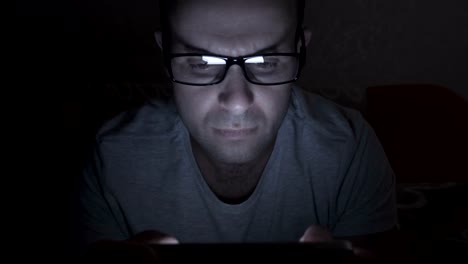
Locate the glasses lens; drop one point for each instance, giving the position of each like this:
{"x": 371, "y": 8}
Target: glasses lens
{"x": 205, "y": 70}
{"x": 271, "y": 69}
{"x": 198, "y": 69}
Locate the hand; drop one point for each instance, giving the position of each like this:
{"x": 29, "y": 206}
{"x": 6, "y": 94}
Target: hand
{"x": 318, "y": 234}
{"x": 136, "y": 249}
{"x": 153, "y": 237}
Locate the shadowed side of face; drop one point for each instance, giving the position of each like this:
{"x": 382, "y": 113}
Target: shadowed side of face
{"x": 235, "y": 121}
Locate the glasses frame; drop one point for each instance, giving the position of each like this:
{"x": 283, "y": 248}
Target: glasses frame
{"x": 234, "y": 61}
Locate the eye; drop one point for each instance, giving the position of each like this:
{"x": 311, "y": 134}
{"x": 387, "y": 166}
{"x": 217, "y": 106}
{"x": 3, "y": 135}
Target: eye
{"x": 255, "y": 60}
{"x": 261, "y": 62}
{"x": 210, "y": 60}
{"x": 205, "y": 62}
{"x": 199, "y": 66}
{"x": 266, "y": 65}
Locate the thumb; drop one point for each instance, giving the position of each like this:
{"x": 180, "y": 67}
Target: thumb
{"x": 315, "y": 233}
{"x": 153, "y": 237}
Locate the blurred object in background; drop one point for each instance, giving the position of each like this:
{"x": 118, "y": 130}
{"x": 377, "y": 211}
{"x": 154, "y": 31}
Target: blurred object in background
{"x": 423, "y": 129}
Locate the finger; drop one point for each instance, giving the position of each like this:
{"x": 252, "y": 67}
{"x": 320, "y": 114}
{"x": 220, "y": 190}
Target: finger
{"x": 153, "y": 237}
{"x": 167, "y": 241}
{"x": 316, "y": 233}
{"x": 363, "y": 253}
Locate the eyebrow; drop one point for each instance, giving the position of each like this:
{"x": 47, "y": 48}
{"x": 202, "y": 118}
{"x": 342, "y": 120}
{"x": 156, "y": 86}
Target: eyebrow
{"x": 191, "y": 48}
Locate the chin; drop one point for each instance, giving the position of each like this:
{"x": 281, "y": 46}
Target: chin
{"x": 237, "y": 154}
{"x": 235, "y": 158}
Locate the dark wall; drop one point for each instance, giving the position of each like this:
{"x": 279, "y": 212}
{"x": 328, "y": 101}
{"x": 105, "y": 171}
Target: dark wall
{"x": 359, "y": 43}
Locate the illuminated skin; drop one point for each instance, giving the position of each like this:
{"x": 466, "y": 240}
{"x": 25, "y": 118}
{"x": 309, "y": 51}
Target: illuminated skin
{"x": 233, "y": 124}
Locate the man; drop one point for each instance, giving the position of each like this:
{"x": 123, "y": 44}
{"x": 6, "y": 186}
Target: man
{"x": 240, "y": 154}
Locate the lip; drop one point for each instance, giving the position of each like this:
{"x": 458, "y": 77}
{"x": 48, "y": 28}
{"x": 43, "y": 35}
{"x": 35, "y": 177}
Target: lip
{"x": 234, "y": 133}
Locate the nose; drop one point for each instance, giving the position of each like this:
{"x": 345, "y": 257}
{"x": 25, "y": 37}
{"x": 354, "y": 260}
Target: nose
{"x": 236, "y": 95}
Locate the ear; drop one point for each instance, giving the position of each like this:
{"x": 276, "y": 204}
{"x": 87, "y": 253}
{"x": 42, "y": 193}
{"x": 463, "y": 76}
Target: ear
{"x": 307, "y": 36}
{"x": 158, "y": 37}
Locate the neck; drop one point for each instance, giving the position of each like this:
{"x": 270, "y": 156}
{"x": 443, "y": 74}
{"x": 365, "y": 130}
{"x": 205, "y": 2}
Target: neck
{"x": 232, "y": 183}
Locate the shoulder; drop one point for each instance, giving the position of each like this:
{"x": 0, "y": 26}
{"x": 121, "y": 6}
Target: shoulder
{"x": 152, "y": 119}
{"x": 325, "y": 117}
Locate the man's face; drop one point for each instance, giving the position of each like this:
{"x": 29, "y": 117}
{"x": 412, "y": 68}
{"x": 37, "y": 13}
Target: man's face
{"x": 233, "y": 122}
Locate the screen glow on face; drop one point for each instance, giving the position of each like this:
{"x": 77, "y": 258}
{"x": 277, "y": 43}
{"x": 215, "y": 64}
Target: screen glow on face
{"x": 258, "y": 59}
{"x": 218, "y": 61}
{"x": 209, "y": 60}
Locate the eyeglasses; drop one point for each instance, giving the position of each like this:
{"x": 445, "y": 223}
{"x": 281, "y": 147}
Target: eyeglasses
{"x": 204, "y": 69}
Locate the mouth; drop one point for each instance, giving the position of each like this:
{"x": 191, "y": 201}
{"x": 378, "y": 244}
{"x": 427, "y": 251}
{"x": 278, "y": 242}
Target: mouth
{"x": 234, "y": 133}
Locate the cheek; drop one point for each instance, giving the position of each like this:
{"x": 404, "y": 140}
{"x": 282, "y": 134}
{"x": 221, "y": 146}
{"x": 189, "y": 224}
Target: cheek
{"x": 192, "y": 102}
{"x": 274, "y": 103}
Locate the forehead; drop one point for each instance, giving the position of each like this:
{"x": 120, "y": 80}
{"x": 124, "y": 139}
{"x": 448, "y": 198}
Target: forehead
{"x": 238, "y": 26}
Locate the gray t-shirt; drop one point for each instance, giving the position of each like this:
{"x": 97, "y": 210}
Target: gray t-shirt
{"x": 327, "y": 168}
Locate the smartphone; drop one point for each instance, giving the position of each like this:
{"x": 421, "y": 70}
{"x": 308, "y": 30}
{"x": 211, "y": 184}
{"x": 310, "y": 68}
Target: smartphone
{"x": 251, "y": 252}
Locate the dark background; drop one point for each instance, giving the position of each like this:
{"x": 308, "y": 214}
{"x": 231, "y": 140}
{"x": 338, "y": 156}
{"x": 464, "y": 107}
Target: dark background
{"x": 78, "y": 63}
